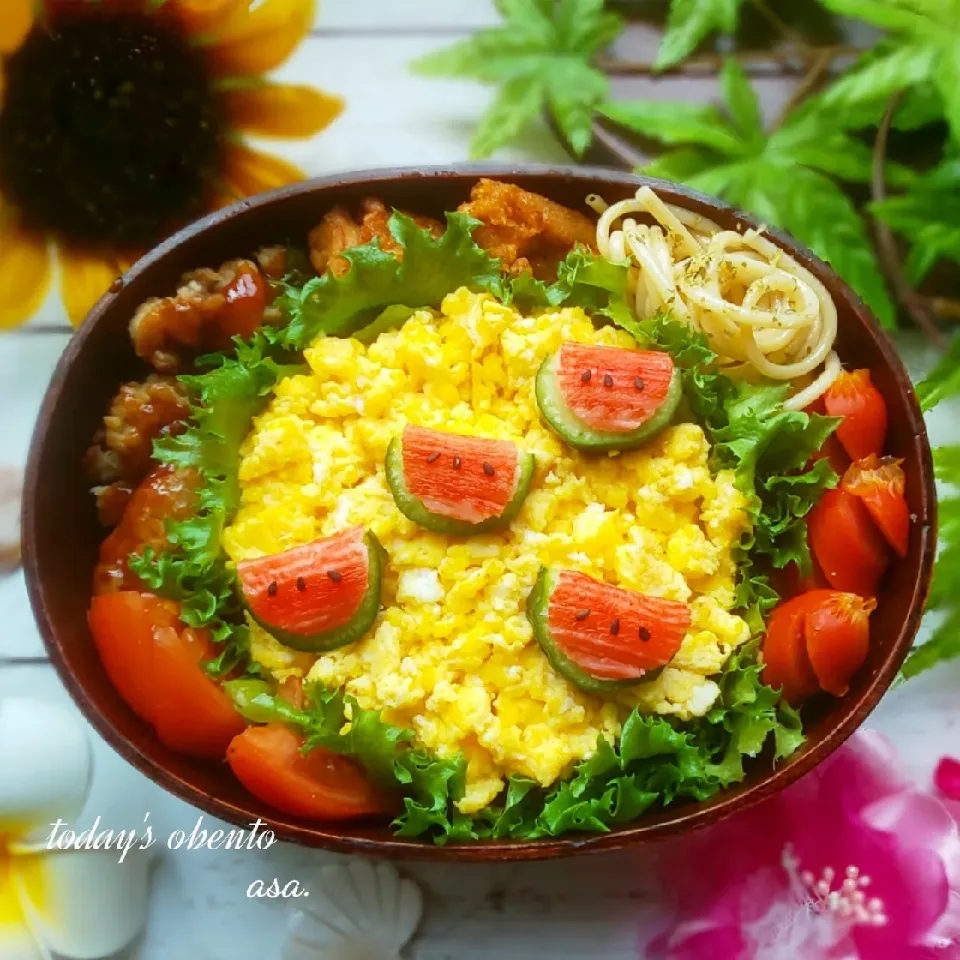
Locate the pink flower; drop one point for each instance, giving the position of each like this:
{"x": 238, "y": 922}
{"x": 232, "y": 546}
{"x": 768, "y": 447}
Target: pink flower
{"x": 947, "y": 778}
{"x": 851, "y": 863}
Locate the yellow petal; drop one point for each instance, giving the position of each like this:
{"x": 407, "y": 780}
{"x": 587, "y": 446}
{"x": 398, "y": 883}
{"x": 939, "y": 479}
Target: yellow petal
{"x": 16, "y": 18}
{"x": 249, "y": 171}
{"x": 84, "y": 279}
{"x": 281, "y": 109}
{"x": 24, "y": 273}
{"x": 203, "y": 18}
{"x": 261, "y": 37}
{"x": 15, "y": 940}
{"x": 84, "y": 903}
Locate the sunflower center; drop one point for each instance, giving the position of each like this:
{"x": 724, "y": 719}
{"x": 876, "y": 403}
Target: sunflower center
{"x": 110, "y": 129}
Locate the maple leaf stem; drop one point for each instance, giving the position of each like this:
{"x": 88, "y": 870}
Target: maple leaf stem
{"x": 945, "y": 307}
{"x": 793, "y": 61}
{"x": 918, "y": 307}
{"x": 818, "y": 67}
{"x": 789, "y": 33}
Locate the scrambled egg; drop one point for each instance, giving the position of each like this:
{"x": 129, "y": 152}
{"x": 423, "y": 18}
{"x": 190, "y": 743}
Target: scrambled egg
{"x": 452, "y": 655}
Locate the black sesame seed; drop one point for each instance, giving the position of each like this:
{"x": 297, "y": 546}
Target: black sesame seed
{"x": 272, "y": 589}
{"x": 638, "y": 383}
{"x": 335, "y": 576}
{"x": 434, "y": 457}
{"x": 644, "y": 634}
{"x": 607, "y": 380}
{"x": 582, "y": 615}
{"x": 488, "y": 469}
{"x": 615, "y": 626}
{"x": 457, "y": 463}
{"x": 585, "y": 376}
{"x": 301, "y": 584}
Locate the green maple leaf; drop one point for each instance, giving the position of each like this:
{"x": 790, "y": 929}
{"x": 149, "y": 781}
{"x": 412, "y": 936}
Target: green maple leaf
{"x": 785, "y": 177}
{"x": 923, "y": 52}
{"x": 541, "y": 57}
{"x": 690, "y": 22}
{"x": 928, "y": 215}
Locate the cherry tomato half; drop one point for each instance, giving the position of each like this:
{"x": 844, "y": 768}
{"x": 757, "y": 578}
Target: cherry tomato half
{"x": 319, "y": 786}
{"x": 864, "y": 428}
{"x": 837, "y": 635}
{"x": 154, "y": 662}
{"x": 786, "y": 663}
{"x": 850, "y": 551}
{"x": 832, "y": 448}
{"x": 880, "y": 485}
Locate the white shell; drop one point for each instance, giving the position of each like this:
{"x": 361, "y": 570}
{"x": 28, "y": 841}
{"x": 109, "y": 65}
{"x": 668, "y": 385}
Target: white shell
{"x": 46, "y": 746}
{"x": 355, "y": 911}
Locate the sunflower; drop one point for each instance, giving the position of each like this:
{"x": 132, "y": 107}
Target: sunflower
{"x": 121, "y": 120}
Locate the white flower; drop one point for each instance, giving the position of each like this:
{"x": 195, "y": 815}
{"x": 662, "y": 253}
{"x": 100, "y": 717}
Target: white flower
{"x": 355, "y": 911}
{"x": 75, "y": 904}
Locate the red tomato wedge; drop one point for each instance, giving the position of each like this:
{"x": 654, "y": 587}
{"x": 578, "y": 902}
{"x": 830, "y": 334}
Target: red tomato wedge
{"x": 880, "y": 485}
{"x": 317, "y": 596}
{"x": 850, "y": 551}
{"x": 319, "y": 786}
{"x": 837, "y": 633}
{"x": 864, "y": 428}
{"x": 600, "y": 636}
{"x": 454, "y": 484}
{"x": 625, "y": 388}
{"x": 155, "y": 664}
{"x": 786, "y": 664}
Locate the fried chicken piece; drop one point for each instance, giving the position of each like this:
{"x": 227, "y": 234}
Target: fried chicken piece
{"x": 166, "y": 494}
{"x": 524, "y": 230}
{"x": 338, "y": 231}
{"x": 120, "y": 456}
{"x": 210, "y": 307}
{"x": 273, "y": 262}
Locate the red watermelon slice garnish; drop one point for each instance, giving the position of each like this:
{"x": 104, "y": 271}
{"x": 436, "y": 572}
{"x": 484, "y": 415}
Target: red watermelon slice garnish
{"x": 317, "y": 596}
{"x": 607, "y": 398}
{"x": 601, "y": 637}
{"x": 455, "y": 484}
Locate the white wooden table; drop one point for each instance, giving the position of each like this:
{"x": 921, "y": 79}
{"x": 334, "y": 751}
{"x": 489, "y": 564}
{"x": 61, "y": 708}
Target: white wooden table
{"x": 361, "y": 49}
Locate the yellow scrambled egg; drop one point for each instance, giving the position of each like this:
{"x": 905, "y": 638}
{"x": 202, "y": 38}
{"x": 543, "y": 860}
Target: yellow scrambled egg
{"x": 452, "y": 655}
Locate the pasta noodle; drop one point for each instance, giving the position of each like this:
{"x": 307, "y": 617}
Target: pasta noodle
{"x": 762, "y": 312}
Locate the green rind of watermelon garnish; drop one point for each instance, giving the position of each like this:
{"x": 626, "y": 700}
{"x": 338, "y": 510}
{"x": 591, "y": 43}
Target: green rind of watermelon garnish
{"x": 473, "y": 455}
{"x": 631, "y": 633}
{"x": 320, "y": 582}
{"x": 622, "y": 388}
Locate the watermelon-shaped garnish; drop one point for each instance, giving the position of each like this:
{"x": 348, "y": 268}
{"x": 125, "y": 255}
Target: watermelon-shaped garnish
{"x": 457, "y": 485}
{"x": 319, "y": 596}
{"x": 607, "y": 398}
{"x": 602, "y": 637}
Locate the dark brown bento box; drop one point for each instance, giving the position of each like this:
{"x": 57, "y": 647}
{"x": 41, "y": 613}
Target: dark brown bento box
{"x": 61, "y": 532}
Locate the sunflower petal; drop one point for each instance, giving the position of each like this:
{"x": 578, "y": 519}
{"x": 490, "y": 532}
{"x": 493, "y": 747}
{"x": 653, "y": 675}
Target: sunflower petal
{"x": 84, "y": 279}
{"x": 203, "y": 18}
{"x": 24, "y": 273}
{"x": 258, "y": 40}
{"x": 84, "y": 903}
{"x": 249, "y": 171}
{"x": 281, "y": 109}
{"x": 16, "y": 19}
